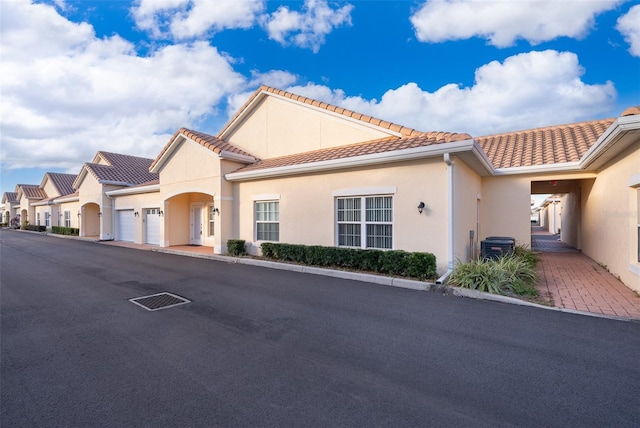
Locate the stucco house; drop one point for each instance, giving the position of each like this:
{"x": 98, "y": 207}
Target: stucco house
{"x": 47, "y": 210}
{"x": 9, "y": 207}
{"x": 290, "y": 169}
{"x": 106, "y": 172}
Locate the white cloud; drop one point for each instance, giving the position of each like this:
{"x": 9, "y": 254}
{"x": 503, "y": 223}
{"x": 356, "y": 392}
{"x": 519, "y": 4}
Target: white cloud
{"x": 504, "y": 22}
{"x": 67, "y": 94}
{"x": 629, "y": 26}
{"x": 525, "y": 91}
{"x": 186, "y": 19}
{"x": 306, "y": 29}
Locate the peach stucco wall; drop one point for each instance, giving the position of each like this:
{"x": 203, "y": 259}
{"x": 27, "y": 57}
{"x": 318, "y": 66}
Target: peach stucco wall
{"x": 610, "y": 216}
{"x": 277, "y": 127}
{"x": 307, "y": 204}
{"x": 467, "y": 203}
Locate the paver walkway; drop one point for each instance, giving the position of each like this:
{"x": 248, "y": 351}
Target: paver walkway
{"x": 574, "y": 281}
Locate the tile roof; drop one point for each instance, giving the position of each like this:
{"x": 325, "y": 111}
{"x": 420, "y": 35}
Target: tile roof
{"x": 10, "y": 197}
{"x": 31, "y": 191}
{"x": 213, "y": 143}
{"x": 122, "y": 168}
{"x": 402, "y": 130}
{"x": 62, "y": 182}
{"x": 388, "y": 144}
{"x": 543, "y": 146}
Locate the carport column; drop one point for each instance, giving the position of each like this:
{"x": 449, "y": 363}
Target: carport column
{"x": 164, "y": 229}
{"x": 224, "y": 223}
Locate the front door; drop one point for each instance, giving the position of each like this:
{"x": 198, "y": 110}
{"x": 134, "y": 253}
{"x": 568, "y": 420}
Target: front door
{"x": 196, "y": 224}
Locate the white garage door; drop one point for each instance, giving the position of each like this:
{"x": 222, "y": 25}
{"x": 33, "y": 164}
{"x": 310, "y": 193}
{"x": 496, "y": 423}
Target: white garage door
{"x": 152, "y": 228}
{"x": 125, "y": 225}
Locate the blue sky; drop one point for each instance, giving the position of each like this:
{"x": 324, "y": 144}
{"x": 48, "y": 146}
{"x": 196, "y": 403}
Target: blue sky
{"x": 123, "y": 76}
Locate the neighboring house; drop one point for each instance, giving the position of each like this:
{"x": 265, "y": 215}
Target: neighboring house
{"x": 9, "y": 208}
{"x": 96, "y": 213}
{"x": 291, "y": 169}
{"x": 47, "y": 210}
{"x": 27, "y": 196}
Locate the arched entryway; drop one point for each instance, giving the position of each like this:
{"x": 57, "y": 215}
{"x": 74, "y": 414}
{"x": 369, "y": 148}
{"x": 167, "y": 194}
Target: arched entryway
{"x": 189, "y": 219}
{"x": 90, "y": 220}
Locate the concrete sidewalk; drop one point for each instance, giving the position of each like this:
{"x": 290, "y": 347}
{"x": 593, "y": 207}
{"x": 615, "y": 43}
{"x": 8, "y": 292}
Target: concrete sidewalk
{"x": 576, "y": 282}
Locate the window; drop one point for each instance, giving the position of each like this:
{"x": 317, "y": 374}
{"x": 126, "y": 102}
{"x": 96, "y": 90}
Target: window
{"x": 47, "y": 220}
{"x": 372, "y": 215}
{"x": 268, "y": 221}
{"x": 38, "y": 219}
{"x": 212, "y": 214}
{"x": 67, "y": 219}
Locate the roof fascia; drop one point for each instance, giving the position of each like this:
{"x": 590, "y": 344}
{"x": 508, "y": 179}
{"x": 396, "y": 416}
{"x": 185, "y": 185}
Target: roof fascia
{"x": 535, "y": 169}
{"x": 622, "y": 125}
{"x": 80, "y": 178}
{"x": 357, "y": 161}
{"x": 134, "y": 190}
{"x": 227, "y": 155}
{"x": 256, "y": 100}
{"x": 74, "y": 198}
{"x": 173, "y": 145}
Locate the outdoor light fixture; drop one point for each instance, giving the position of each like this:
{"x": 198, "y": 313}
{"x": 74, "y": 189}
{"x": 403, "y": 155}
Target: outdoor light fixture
{"x": 99, "y": 214}
{"x": 136, "y": 213}
{"x": 78, "y": 213}
{"x": 161, "y": 213}
{"x": 217, "y": 211}
{"x": 421, "y": 207}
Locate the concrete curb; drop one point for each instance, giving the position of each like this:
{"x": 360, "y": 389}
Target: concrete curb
{"x": 387, "y": 281}
{"x": 369, "y": 278}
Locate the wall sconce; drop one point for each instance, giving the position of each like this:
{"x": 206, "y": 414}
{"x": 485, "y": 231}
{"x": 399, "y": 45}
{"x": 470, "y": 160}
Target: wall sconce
{"x": 136, "y": 213}
{"x": 161, "y": 213}
{"x": 217, "y": 211}
{"x": 421, "y": 207}
{"x": 99, "y": 214}
{"x": 78, "y": 213}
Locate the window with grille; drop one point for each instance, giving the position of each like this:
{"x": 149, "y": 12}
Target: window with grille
{"x": 365, "y": 222}
{"x": 67, "y": 219}
{"x": 267, "y": 217}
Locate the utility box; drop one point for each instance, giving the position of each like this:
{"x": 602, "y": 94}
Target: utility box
{"x": 497, "y": 246}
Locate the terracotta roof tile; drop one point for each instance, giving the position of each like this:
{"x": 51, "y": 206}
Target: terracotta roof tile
{"x": 62, "y": 182}
{"x": 31, "y": 191}
{"x": 10, "y": 197}
{"x": 213, "y": 143}
{"x": 542, "y": 146}
{"x": 406, "y": 132}
{"x": 122, "y": 168}
{"x": 383, "y": 145}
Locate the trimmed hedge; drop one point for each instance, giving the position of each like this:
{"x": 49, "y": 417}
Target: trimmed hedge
{"x": 236, "y": 247}
{"x": 396, "y": 263}
{"x": 35, "y": 228}
{"x": 65, "y": 230}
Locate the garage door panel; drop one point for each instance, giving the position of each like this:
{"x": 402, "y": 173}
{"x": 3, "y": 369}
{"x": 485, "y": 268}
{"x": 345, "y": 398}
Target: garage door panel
{"x": 125, "y": 225}
{"x": 152, "y": 226}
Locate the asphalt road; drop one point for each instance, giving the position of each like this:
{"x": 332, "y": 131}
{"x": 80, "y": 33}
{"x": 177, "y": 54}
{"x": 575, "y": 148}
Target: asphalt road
{"x": 261, "y": 347}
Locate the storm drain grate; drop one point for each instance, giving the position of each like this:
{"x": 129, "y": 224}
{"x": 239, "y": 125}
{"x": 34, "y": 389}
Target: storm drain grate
{"x": 159, "y": 301}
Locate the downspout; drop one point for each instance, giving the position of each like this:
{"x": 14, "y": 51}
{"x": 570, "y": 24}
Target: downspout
{"x": 449, "y": 162}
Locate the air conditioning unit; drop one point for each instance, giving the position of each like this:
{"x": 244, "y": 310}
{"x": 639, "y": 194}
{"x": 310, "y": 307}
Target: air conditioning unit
{"x": 497, "y": 246}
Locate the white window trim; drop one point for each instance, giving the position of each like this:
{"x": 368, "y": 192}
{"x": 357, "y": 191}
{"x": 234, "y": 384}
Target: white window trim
{"x": 364, "y": 191}
{"x": 255, "y": 220}
{"x": 210, "y": 220}
{"x": 363, "y": 221}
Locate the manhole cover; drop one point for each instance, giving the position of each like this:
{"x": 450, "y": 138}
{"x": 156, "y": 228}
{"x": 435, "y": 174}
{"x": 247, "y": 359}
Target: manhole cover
{"x": 159, "y": 301}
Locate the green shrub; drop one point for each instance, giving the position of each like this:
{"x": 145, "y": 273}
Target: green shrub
{"x": 507, "y": 274}
{"x": 59, "y": 230}
{"x": 35, "y": 228}
{"x": 236, "y": 247}
{"x": 397, "y": 263}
